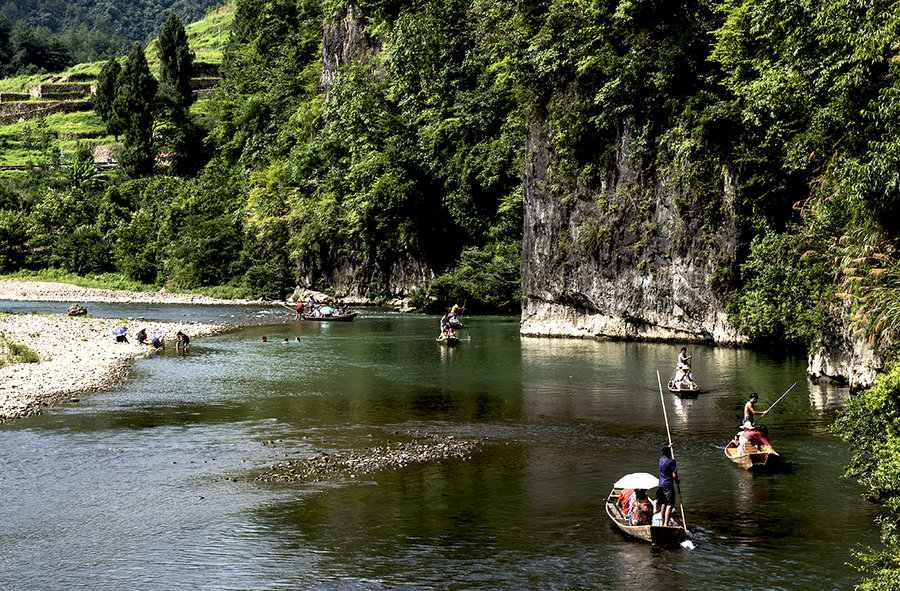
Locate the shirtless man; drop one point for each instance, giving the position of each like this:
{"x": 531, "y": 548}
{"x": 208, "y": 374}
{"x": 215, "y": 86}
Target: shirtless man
{"x": 750, "y": 411}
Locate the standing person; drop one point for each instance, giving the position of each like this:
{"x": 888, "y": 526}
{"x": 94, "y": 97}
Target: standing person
{"x": 684, "y": 360}
{"x": 181, "y": 341}
{"x": 299, "y": 310}
{"x": 665, "y": 493}
{"x": 750, "y": 411}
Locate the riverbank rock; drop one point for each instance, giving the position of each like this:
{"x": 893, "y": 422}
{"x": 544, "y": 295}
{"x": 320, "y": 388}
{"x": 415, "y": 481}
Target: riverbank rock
{"x": 77, "y": 310}
{"x": 846, "y": 358}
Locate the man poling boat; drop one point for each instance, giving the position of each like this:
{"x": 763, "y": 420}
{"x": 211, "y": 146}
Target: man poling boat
{"x": 663, "y": 465}
{"x": 627, "y": 507}
{"x": 683, "y": 382}
{"x": 750, "y": 448}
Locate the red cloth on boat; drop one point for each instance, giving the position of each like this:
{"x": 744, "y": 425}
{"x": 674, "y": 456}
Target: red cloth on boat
{"x": 755, "y": 437}
{"x": 624, "y": 496}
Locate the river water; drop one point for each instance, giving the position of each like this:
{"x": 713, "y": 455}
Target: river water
{"x": 151, "y": 485}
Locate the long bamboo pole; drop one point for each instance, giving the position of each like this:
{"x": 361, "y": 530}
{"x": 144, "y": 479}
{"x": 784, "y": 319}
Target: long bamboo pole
{"x": 669, "y": 434}
{"x": 776, "y": 402}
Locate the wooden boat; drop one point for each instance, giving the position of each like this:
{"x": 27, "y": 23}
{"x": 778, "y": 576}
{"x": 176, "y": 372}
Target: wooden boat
{"x": 656, "y": 534}
{"x": 332, "y": 318}
{"x": 755, "y": 458}
{"x": 679, "y": 389}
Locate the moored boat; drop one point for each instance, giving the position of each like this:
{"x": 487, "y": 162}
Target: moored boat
{"x": 752, "y": 457}
{"x": 331, "y": 317}
{"x": 656, "y": 534}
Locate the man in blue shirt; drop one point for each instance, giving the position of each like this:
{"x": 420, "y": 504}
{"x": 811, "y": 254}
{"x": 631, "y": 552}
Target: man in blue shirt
{"x": 665, "y": 494}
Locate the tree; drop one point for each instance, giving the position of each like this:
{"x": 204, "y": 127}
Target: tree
{"x": 105, "y": 97}
{"x": 176, "y": 62}
{"x": 178, "y": 132}
{"x": 134, "y": 105}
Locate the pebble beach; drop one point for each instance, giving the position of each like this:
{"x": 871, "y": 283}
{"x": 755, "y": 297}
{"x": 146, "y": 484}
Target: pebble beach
{"x": 77, "y": 354}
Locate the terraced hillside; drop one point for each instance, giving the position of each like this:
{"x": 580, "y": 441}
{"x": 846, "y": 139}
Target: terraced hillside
{"x": 53, "y": 114}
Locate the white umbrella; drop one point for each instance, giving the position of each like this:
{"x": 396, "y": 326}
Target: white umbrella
{"x": 641, "y": 480}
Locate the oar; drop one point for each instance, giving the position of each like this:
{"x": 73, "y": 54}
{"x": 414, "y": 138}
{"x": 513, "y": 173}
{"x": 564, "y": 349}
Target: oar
{"x": 669, "y": 433}
{"x": 776, "y": 402}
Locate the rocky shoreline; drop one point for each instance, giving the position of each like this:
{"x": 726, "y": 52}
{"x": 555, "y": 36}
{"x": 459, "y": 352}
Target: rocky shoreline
{"x": 77, "y": 354}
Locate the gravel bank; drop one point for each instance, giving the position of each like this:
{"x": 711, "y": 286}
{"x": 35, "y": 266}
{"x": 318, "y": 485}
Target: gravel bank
{"x": 78, "y": 354}
{"x": 40, "y": 291}
{"x": 394, "y": 454}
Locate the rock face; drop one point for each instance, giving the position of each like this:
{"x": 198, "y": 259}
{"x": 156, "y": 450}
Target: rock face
{"x": 358, "y": 282}
{"x": 848, "y": 359}
{"x": 344, "y": 42}
{"x": 615, "y": 258}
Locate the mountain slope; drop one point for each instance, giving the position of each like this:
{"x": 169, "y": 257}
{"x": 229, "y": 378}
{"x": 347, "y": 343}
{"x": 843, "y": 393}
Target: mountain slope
{"x": 134, "y": 21}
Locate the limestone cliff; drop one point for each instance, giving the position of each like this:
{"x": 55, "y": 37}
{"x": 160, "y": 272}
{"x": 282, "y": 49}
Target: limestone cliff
{"x": 621, "y": 259}
{"x": 846, "y": 356}
{"x": 346, "y": 41}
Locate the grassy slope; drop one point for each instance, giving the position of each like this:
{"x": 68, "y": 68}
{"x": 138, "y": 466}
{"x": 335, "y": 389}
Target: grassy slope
{"x": 19, "y": 141}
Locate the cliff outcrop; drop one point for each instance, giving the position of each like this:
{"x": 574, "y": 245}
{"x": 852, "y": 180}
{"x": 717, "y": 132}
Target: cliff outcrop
{"x": 616, "y": 256}
{"x": 845, "y": 356}
{"x": 345, "y": 41}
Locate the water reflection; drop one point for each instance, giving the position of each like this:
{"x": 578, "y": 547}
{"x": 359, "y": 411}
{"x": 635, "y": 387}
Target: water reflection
{"x": 827, "y": 397}
{"x": 151, "y": 485}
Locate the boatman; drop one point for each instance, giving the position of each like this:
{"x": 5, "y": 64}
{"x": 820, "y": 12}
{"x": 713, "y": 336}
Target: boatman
{"x": 665, "y": 494}
{"x": 684, "y": 360}
{"x": 750, "y": 411}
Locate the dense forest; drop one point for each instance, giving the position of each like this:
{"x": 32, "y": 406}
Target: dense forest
{"x": 47, "y": 37}
{"x": 125, "y": 20}
{"x": 27, "y": 50}
{"x": 406, "y": 152}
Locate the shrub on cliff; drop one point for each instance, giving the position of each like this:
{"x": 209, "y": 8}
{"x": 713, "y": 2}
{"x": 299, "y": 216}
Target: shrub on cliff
{"x": 486, "y": 279}
{"x": 780, "y": 301}
{"x": 871, "y": 424}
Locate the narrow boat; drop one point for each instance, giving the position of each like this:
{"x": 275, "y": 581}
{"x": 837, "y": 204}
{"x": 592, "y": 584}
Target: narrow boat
{"x": 755, "y": 458}
{"x": 680, "y": 389}
{"x": 332, "y": 318}
{"x": 660, "y": 535}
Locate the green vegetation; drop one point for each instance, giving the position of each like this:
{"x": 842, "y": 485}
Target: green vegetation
{"x": 871, "y": 424}
{"x": 41, "y": 140}
{"x": 122, "y": 20}
{"x": 11, "y": 352}
{"x": 410, "y": 152}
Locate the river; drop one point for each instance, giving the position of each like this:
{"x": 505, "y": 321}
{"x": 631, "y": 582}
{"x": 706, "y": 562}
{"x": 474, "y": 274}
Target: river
{"x": 152, "y": 484}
